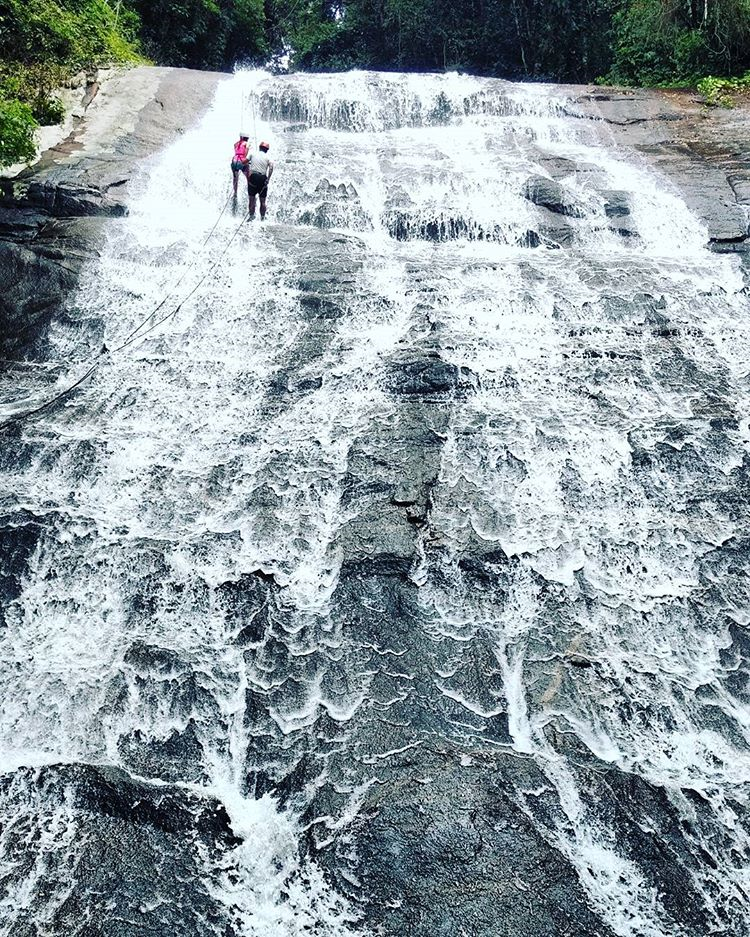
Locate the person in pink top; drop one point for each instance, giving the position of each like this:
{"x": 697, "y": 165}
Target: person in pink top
{"x": 240, "y": 162}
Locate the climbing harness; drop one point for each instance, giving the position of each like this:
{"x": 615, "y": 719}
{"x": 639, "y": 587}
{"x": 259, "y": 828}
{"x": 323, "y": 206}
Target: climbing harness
{"x": 139, "y": 331}
{"x": 240, "y": 150}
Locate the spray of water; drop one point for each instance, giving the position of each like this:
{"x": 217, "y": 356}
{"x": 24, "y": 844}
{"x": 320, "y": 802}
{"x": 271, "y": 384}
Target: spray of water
{"x": 177, "y": 617}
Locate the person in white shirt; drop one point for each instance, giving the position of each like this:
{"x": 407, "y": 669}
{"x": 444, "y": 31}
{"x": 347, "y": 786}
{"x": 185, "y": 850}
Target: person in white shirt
{"x": 261, "y": 170}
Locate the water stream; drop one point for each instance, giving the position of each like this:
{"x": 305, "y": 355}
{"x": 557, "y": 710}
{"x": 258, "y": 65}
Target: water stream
{"x": 419, "y": 468}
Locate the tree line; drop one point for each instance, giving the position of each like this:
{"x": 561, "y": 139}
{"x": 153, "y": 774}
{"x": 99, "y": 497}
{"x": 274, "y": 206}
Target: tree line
{"x": 641, "y": 42}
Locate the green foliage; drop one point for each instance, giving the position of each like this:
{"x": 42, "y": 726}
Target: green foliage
{"x": 660, "y": 42}
{"x": 721, "y": 92}
{"x": 567, "y": 40}
{"x": 48, "y": 110}
{"x": 17, "y": 126}
{"x": 649, "y": 42}
{"x": 246, "y": 31}
{"x": 35, "y": 85}
{"x": 43, "y": 43}
{"x": 73, "y": 34}
{"x": 563, "y": 39}
{"x": 203, "y": 33}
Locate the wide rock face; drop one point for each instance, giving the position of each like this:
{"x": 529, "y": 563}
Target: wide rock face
{"x": 697, "y": 149}
{"x": 97, "y": 830}
{"x": 392, "y": 579}
{"x": 51, "y": 215}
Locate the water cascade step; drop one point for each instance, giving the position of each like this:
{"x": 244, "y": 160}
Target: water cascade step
{"x": 397, "y": 584}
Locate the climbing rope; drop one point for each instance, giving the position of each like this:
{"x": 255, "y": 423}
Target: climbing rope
{"x": 251, "y": 96}
{"x": 133, "y": 338}
{"x": 175, "y": 286}
{"x": 134, "y": 335}
{"x": 255, "y": 129}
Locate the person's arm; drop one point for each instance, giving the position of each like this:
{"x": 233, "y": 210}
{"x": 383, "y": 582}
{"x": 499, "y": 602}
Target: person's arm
{"x": 269, "y": 171}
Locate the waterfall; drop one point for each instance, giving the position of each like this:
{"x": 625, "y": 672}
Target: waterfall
{"x": 398, "y": 581}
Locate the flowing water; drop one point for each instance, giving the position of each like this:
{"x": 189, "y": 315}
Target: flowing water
{"x": 405, "y": 493}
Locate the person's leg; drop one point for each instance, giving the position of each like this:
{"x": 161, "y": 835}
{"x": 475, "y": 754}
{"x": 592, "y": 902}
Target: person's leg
{"x": 252, "y": 205}
{"x": 235, "y": 178}
{"x": 263, "y": 194}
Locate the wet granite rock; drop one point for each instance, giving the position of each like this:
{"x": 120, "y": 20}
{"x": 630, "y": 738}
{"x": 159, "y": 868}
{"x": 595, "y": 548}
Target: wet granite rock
{"x": 176, "y": 757}
{"x": 736, "y": 659}
{"x": 553, "y": 196}
{"x": 405, "y": 224}
{"x": 320, "y": 307}
{"x": 530, "y": 239}
{"x": 553, "y": 230}
{"x": 245, "y": 602}
{"x": 700, "y": 152}
{"x": 38, "y": 271}
{"x": 53, "y": 215}
{"x": 657, "y": 830}
{"x": 62, "y": 199}
{"x": 653, "y": 835}
{"x": 616, "y": 204}
{"x": 337, "y": 206}
{"x": 426, "y": 374}
{"x": 325, "y": 276}
{"x": 113, "y": 835}
{"x": 17, "y": 542}
{"x": 444, "y": 849}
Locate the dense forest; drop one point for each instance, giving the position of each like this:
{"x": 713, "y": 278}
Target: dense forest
{"x": 645, "y": 42}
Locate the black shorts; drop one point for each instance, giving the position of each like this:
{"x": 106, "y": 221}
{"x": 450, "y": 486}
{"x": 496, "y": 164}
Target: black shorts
{"x": 237, "y": 166}
{"x": 258, "y": 184}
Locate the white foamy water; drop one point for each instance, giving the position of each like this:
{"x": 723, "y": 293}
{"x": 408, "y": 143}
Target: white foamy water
{"x": 199, "y": 497}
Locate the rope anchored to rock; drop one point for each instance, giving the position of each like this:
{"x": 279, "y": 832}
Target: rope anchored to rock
{"x": 140, "y": 331}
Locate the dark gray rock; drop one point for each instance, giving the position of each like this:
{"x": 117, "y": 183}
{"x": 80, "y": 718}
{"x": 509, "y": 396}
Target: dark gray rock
{"x": 699, "y": 151}
{"x": 616, "y": 204}
{"x": 444, "y": 849}
{"x": 178, "y": 757}
{"x": 320, "y": 307}
{"x": 38, "y": 271}
{"x": 554, "y": 230}
{"x": 336, "y": 206}
{"x": 739, "y": 246}
{"x": 552, "y": 195}
{"x": 132, "y": 866}
{"x": 405, "y": 224}
{"x": 18, "y": 538}
{"x": 60, "y": 199}
{"x": 428, "y": 374}
{"x": 326, "y": 275}
{"x": 52, "y": 216}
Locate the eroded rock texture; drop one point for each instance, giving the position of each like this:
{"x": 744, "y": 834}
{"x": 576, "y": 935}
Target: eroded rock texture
{"x": 392, "y": 579}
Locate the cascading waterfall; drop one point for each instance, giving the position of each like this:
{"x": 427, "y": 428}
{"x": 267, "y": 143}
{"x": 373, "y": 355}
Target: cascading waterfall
{"x": 427, "y": 489}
